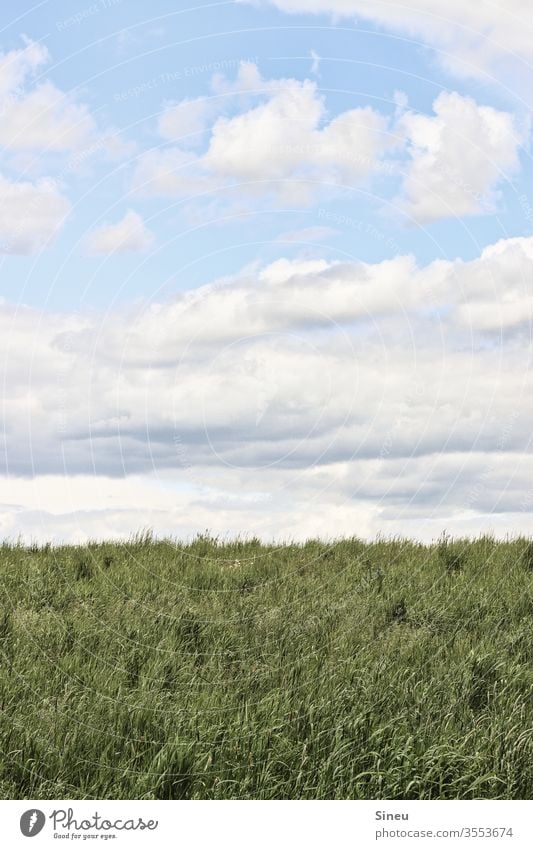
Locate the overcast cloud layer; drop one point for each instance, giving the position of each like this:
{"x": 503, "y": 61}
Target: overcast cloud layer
{"x": 380, "y": 394}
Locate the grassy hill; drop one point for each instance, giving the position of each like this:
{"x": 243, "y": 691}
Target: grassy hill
{"x": 157, "y": 670}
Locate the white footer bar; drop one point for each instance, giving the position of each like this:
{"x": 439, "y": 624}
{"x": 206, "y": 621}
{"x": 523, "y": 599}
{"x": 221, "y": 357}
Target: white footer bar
{"x": 279, "y": 824}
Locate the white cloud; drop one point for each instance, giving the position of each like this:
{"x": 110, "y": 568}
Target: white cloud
{"x": 498, "y": 288}
{"x": 281, "y": 143}
{"x": 474, "y": 37}
{"x": 17, "y": 65}
{"x": 458, "y": 157}
{"x": 248, "y": 81}
{"x": 283, "y": 139}
{"x": 185, "y": 120}
{"x": 130, "y": 234}
{"x": 37, "y": 117}
{"x": 271, "y": 140}
{"x": 462, "y": 493}
{"x": 298, "y": 399}
{"x": 42, "y": 117}
{"x": 284, "y": 145}
{"x": 45, "y": 119}
{"x": 170, "y": 172}
{"x": 30, "y": 214}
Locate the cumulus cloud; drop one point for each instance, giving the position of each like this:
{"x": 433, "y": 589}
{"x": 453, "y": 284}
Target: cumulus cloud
{"x": 283, "y": 138}
{"x": 36, "y": 117}
{"x": 171, "y": 172}
{"x": 473, "y": 37}
{"x": 41, "y": 117}
{"x": 31, "y": 214}
{"x": 129, "y": 235}
{"x": 458, "y": 157}
{"x": 284, "y": 144}
{"x": 17, "y": 65}
{"x": 185, "y": 119}
{"x": 305, "y": 391}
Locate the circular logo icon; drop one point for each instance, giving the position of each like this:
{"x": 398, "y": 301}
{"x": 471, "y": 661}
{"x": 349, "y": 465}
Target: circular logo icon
{"x": 32, "y": 822}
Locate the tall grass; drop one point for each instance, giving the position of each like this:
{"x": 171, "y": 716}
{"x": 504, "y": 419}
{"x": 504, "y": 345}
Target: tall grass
{"x": 153, "y": 670}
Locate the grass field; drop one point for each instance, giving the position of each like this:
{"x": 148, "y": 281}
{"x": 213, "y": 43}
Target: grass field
{"x": 151, "y": 670}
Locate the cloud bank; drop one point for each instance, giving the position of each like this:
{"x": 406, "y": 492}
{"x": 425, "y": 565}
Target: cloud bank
{"x": 373, "y": 393}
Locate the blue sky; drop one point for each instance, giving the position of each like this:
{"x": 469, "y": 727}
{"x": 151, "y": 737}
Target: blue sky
{"x": 126, "y": 68}
{"x": 206, "y": 206}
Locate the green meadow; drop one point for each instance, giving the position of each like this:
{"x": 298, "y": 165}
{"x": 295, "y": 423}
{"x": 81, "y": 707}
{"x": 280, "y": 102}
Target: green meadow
{"x": 218, "y": 670}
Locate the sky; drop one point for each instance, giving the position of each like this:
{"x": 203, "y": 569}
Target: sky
{"x": 266, "y": 269}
